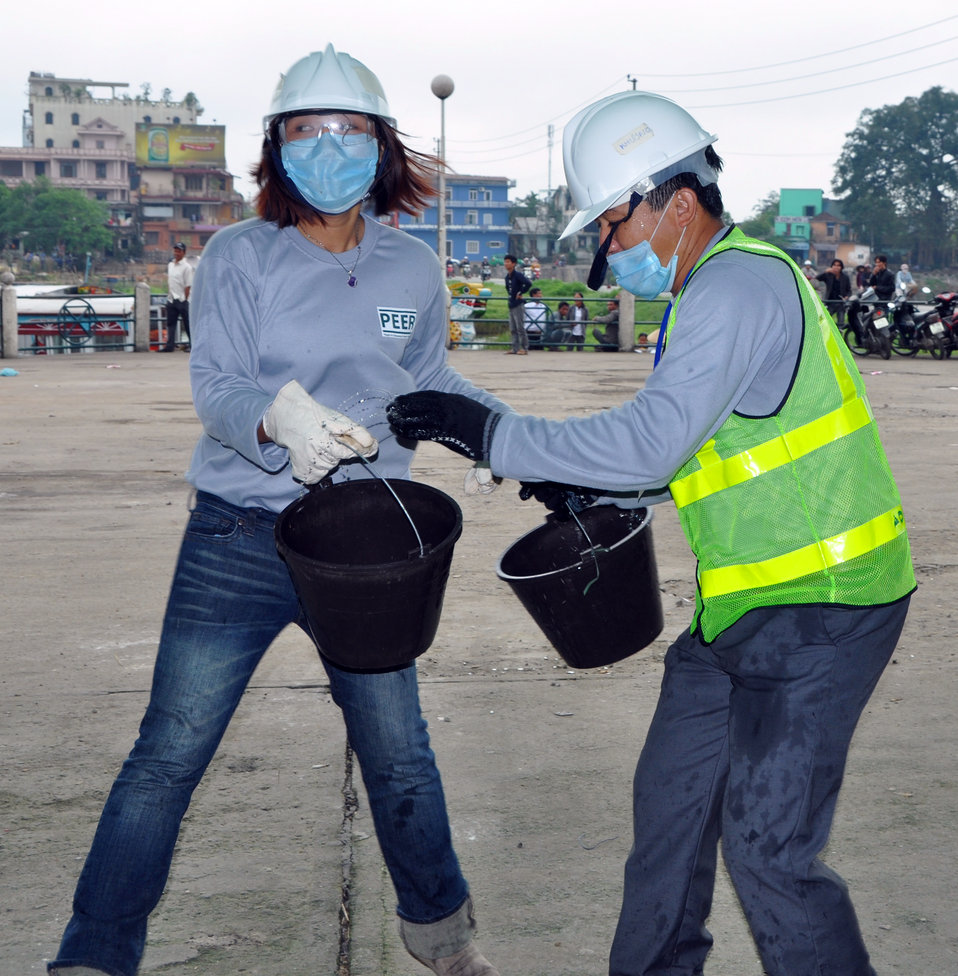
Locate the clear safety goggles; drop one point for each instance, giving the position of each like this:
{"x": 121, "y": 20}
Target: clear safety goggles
{"x": 349, "y": 129}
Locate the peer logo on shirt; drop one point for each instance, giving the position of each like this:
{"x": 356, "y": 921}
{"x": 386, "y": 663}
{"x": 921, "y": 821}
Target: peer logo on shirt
{"x": 397, "y": 322}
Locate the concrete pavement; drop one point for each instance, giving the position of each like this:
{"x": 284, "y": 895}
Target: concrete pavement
{"x": 536, "y": 758}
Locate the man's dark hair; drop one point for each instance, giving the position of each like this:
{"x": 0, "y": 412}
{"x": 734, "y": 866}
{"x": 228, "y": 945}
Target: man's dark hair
{"x": 534, "y": 292}
{"x": 709, "y": 197}
{"x": 882, "y": 258}
{"x": 512, "y": 258}
{"x": 840, "y": 263}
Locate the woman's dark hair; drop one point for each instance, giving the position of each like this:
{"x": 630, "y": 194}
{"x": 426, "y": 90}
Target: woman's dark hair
{"x": 709, "y": 197}
{"x": 405, "y": 179}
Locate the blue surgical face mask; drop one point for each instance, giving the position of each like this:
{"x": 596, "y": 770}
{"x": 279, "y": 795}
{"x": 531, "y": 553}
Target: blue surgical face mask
{"x": 330, "y": 175}
{"x": 639, "y": 270}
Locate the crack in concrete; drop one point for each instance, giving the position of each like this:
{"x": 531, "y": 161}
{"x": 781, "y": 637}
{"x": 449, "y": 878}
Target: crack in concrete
{"x": 350, "y": 805}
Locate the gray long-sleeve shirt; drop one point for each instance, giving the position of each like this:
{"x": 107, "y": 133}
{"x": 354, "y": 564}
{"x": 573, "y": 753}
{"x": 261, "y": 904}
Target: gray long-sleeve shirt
{"x": 734, "y": 347}
{"x": 268, "y": 307}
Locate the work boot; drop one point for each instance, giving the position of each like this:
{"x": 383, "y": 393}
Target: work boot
{"x": 467, "y": 962}
{"x": 446, "y": 946}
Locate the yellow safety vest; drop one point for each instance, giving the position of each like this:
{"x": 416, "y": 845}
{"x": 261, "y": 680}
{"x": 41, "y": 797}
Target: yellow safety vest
{"x": 799, "y": 507}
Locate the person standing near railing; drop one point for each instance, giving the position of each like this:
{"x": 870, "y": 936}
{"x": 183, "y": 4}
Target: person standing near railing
{"x": 179, "y": 279}
{"x": 516, "y": 283}
{"x": 579, "y": 315}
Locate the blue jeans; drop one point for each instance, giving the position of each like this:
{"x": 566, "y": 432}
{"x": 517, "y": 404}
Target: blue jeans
{"x": 231, "y": 596}
{"x": 748, "y": 746}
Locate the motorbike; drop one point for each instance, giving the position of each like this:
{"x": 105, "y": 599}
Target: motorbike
{"x": 869, "y": 328}
{"x": 913, "y": 330}
{"x": 948, "y": 303}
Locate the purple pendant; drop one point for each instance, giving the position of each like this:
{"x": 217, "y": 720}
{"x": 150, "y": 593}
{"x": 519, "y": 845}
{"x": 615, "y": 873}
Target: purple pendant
{"x": 351, "y": 281}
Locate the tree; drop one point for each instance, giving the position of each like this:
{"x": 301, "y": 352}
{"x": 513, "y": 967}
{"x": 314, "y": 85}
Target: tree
{"x": 527, "y": 206}
{"x": 761, "y": 225}
{"x": 67, "y": 220}
{"x": 53, "y": 220}
{"x": 899, "y": 172}
{"x": 15, "y": 208}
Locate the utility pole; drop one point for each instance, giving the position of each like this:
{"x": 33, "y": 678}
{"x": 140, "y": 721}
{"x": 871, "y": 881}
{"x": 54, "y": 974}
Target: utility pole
{"x": 442, "y": 87}
{"x": 551, "y": 130}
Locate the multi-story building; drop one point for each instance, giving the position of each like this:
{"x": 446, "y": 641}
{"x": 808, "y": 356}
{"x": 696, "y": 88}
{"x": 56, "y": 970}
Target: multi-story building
{"x": 815, "y": 230}
{"x": 477, "y": 218}
{"x": 80, "y": 140}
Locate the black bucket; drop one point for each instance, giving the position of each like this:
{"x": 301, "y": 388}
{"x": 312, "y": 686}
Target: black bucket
{"x": 370, "y": 589}
{"x": 599, "y": 601}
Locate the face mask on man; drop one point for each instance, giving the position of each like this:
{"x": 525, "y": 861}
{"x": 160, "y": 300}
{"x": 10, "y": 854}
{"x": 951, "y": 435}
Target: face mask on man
{"x": 638, "y": 269}
{"x": 331, "y": 176}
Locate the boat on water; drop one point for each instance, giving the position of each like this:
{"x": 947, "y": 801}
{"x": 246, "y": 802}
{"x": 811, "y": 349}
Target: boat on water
{"x": 46, "y": 299}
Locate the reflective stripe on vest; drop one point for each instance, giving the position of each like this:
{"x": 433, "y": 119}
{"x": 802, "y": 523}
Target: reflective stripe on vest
{"x": 810, "y": 559}
{"x": 716, "y": 473}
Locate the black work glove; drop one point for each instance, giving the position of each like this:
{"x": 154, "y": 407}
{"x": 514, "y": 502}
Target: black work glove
{"x": 561, "y": 499}
{"x": 460, "y": 423}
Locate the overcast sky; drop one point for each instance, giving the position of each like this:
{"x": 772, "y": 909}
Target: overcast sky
{"x": 781, "y": 86}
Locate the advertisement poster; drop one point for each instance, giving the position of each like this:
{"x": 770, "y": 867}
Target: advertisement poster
{"x": 180, "y": 145}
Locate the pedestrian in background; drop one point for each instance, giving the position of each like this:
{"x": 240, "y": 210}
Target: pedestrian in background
{"x": 579, "y": 316}
{"x": 179, "y": 282}
{"x": 516, "y": 285}
{"x": 837, "y": 289}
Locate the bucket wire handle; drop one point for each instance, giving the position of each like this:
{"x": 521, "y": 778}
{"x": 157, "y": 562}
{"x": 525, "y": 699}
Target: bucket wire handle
{"x": 592, "y": 550}
{"x": 375, "y": 474}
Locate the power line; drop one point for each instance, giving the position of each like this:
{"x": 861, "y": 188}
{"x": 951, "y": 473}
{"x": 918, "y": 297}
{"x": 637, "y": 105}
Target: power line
{"x": 711, "y": 74}
{"x": 811, "y": 57}
{"x": 814, "y": 74}
{"x": 826, "y": 91}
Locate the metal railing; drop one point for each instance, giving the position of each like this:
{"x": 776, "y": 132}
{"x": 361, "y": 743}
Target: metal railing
{"x": 73, "y": 326}
{"x": 492, "y": 330}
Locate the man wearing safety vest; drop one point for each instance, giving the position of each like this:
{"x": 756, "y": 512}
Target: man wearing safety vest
{"x": 756, "y": 423}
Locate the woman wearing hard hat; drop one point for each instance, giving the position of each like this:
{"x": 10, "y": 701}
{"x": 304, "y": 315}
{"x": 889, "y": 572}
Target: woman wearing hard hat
{"x": 756, "y": 419}
{"x": 303, "y": 316}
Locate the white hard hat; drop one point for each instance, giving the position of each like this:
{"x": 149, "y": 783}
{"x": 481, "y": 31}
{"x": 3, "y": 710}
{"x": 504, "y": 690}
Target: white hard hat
{"x": 329, "y": 80}
{"x": 630, "y": 141}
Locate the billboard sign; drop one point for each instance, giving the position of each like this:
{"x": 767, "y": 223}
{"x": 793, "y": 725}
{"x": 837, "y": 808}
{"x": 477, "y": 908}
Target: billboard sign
{"x": 180, "y": 145}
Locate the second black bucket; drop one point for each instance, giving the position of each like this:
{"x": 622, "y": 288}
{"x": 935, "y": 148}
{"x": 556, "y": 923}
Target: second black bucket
{"x": 597, "y": 602}
{"x": 371, "y": 590}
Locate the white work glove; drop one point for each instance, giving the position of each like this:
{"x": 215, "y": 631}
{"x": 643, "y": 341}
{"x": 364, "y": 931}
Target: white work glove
{"x": 317, "y": 438}
{"x": 480, "y": 480}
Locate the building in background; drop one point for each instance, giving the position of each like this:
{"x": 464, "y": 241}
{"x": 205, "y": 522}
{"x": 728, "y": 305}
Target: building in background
{"x": 185, "y": 190}
{"x": 814, "y": 230}
{"x": 81, "y": 135}
{"x": 477, "y": 218}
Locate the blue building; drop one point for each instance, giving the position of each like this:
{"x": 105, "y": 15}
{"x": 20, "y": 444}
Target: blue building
{"x": 477, "y": 218}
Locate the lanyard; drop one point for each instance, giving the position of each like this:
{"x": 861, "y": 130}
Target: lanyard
{"x": 660, "y": 342}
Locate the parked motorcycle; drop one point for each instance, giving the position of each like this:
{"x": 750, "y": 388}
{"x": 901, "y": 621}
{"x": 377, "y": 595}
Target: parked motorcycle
{"x": 869, "y": 328}
{"x": 913, "y": 330}
{"x": 948, "y": 303}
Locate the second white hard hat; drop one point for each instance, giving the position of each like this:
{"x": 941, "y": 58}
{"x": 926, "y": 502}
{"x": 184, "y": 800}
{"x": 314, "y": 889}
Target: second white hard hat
{"x": 629, "y": 141}
{"x": 329, "y": 79}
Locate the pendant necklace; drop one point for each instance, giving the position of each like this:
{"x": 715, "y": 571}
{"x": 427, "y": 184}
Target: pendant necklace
{"x": 350, "y": 276}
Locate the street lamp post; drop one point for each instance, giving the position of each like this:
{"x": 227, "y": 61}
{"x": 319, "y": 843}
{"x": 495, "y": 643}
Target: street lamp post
{"x": 442, "y": 87}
